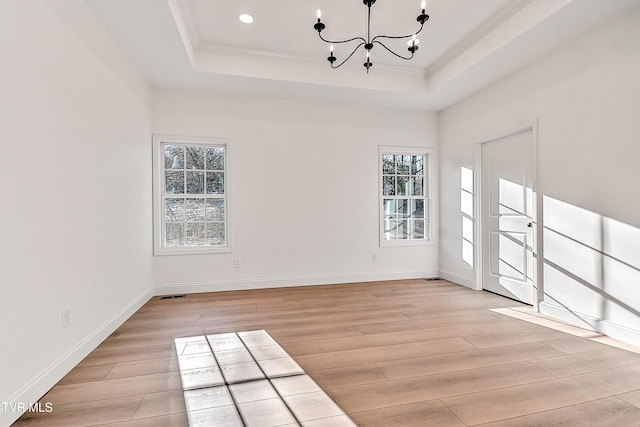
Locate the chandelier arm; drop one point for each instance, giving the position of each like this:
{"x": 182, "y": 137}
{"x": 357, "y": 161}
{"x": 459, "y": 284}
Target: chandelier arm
{"x": 341, "y": 41}
{"x": 398, "y": 37}
{"x": 347, "y": 58}
{"x": 399, "y": 56}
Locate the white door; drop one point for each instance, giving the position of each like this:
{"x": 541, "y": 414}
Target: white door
{"x": 508, "y": 213}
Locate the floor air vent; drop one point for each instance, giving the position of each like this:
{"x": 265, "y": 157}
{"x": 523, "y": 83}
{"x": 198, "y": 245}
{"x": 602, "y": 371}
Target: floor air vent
{"x": 429, "y": 279}
{"x": 172, "y": 296}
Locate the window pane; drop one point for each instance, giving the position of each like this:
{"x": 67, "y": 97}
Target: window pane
{"x": 215, "y": 158}
{"x": 388, "y": 163}
{"x": 417, "y": 229}
{"x": 403, "y": 208}
{"x": 403, "y": 164}
{"x": 174, "y": 234}
{"x": 466, "y": 203}
{"x": 195, "y": 182}
{"x": 401, "y": 230}
{"x": 215, "y": 233}
{"x": 389, "y": 229}
{"x": 195, "y": 157}
{"x": 417, "y": 165}
{"x": 467, "y": 229}
{"x": 194, "y": 234}
{"x": 194, "y": 210}
{"x": 417, "y": 208}
{"x": 467, "y": 253}
{"x": 389, "y": 185}
{"x": 174, "y": 183}
{"x": 215, "y": 183}
{"x": 403, "y": 186}
{"x": 466, "y": 179}
{"x": 214, "y": 210}
{"x": 173, "y": 157}
{"x": 174, "y": 210}
{"x": 389, "y": 208}
{"x": 416, "y": 186}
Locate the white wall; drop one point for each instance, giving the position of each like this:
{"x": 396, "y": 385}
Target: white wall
{"x": 303, "y": 191}
{"x": 75, "y": 196}
{"x": 586, "y": 98}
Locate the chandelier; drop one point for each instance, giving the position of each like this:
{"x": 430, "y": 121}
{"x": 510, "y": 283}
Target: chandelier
{"x": 369, "y": 42}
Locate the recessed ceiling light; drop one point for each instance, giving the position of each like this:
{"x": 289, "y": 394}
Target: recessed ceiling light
{"x": 245, "y": 18}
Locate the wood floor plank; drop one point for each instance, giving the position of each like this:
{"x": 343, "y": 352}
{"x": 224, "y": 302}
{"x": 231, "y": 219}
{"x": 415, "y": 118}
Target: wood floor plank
{"x": 499, "y": 339}
{"x": 161, "y": 403}
{"x": 449, "y": 362}
{"x": 129, "y": 386}
{"x": 429, "y": 413}
{"x": 431, "y": 322}
{"x": 363, "y": 319}
{"x": 505, "y": 326}
{"x": 430, "y": 387}
{"x": 347, "y": 376}
{"x": 378, "y": 340}
{"x": 130, "y": 354}
{"x": 143, "y": 367}
{"x": 284, "y": 336}
{"x": 570, "y": 345}
{"x": 301, "y": 348}
{"x": 631, "y": 397}
{"x": 489, "y": 406}
{"x": 82, "y": 374}
{"x": 607, "y": 412}
{"x": 360, "y": 356}
{"x": 585, "y": 362}
{"x": 172, "y": 420}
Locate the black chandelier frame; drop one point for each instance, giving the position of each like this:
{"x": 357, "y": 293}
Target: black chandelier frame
{"x": 369, "y": 42}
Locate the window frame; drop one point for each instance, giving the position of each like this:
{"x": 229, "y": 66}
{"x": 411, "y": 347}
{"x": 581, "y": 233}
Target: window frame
{"x": 159, "y": 247}
{"x": 428, "y": 202}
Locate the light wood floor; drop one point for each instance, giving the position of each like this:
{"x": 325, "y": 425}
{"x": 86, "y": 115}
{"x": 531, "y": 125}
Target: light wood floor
{"x": 401, "y": 353}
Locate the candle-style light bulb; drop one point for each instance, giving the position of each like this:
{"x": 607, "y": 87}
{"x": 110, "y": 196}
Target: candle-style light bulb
{"x": 423, "y": 5}
{"x": 331, "y": 49}
{"x": 319, "y": 14}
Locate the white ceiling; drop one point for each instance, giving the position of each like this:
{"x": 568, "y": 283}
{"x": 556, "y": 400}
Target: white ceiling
{"x": 465, "y": 46}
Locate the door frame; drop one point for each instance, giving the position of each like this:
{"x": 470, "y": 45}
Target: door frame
{"x": 479, "y": 232}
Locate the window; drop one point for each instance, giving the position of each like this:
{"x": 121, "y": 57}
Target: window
{"x": 467, "y": 196}
{"x": 190, "y": 195}
{"x": 404, "y": 196}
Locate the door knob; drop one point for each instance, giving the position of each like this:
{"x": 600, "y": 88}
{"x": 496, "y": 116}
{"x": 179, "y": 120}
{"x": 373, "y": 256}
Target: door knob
{"x": 530, "y": 225}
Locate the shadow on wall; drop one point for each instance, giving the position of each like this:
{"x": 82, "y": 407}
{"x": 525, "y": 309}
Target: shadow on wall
{"x": 592, "y": 268}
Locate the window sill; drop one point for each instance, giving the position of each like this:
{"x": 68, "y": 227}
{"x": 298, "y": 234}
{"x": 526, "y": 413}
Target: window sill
{"x": 191, "y": 251}
{"x": 406, "y": 243}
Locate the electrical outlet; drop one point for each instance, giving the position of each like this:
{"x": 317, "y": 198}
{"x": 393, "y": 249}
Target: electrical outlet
{"x": 66, "y": 318}
{"x": 375, "y": 256}
{"x": 237, "y": 263}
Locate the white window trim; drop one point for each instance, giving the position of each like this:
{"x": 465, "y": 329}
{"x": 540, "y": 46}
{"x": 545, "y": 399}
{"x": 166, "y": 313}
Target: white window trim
{"x": 425, "y": 151}
{"x": 158, "y": 183}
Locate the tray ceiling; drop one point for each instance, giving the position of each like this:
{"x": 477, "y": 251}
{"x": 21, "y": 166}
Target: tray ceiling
{"x": 465, "y": 46}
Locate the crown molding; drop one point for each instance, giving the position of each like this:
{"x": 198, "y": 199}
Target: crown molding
{"x": 260, "y": 55}
{"x": 475, "y": 36}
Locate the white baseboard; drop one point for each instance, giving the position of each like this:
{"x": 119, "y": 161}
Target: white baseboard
{"x": 457, "y": 279}
{"x": 40, "y": 385}
{"x": 604, "y": 327}
{"x": 283, "y": 282}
